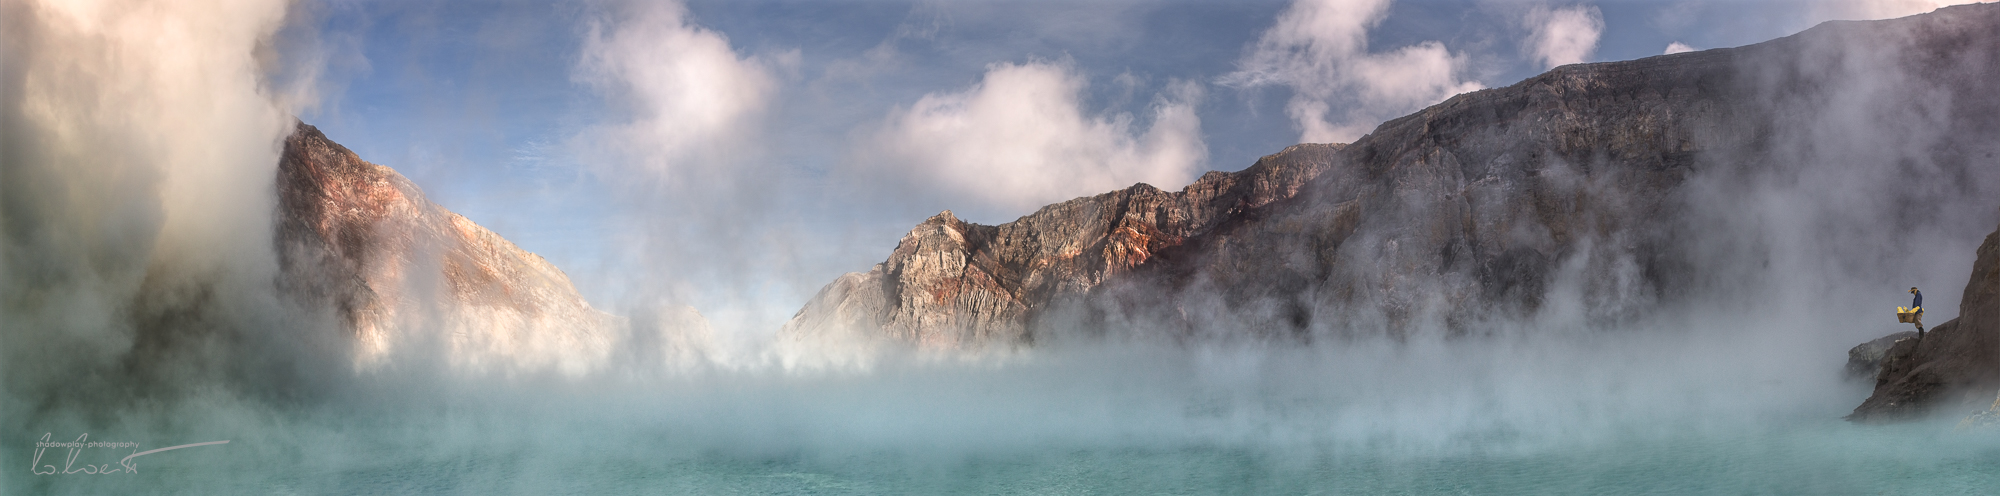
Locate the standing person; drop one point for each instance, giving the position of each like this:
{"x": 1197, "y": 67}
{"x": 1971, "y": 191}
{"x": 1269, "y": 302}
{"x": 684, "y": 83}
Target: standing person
{"x": 1917, "y": 305}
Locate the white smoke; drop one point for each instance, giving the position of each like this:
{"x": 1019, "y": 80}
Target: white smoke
{"x": 1341, "y": 89}
{"x": 1678, "y": 47}
{"x": 1020, "y": 138}
{"x": 1563, "y": 36}
{"x": 140, "y": 143}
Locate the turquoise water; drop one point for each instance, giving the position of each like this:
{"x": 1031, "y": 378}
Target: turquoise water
{"x": 1824, "y": 457}
{"x": 1485, "y": 419}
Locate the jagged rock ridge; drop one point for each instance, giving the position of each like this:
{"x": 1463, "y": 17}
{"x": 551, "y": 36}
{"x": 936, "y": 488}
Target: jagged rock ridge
{"x": 951, "y": 283}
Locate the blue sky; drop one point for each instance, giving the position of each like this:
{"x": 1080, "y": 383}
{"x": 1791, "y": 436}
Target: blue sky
{"x": 736, "y": 155}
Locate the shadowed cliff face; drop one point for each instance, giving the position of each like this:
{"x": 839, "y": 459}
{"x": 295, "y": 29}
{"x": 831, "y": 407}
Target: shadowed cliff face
{"x": 1592, "y": 196}
{"x": 403, "y": 273}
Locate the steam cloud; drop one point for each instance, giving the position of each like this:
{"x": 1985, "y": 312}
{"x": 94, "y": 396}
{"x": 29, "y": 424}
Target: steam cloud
{"x": 1340, "y": 89}
{"x": 138, "y": 142}
{"x": 1020, "y": 138}
{"x": 1678, "y": 47}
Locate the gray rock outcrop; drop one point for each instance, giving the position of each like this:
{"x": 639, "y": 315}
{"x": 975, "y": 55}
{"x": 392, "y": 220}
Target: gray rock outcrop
{"x": 1864, "y": 360}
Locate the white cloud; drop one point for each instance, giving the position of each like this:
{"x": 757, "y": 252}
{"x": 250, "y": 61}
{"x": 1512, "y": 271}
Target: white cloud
{"x": 1678, "y": 47}
{"x": 681, "y": 152}
{"x": 1341, "y": 90}
{"x": 1020, "y": 138}
{"x": 690, "y": 96}
{"x": 1563, "y": 36}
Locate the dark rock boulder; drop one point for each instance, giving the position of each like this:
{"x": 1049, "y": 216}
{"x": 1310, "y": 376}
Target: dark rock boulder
{"x": 1865, "y": 359}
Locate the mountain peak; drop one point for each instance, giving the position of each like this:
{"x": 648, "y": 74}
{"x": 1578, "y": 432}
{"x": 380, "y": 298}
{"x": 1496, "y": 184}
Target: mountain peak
{"x": 944, "y": 217}
{"x": 361, "y": 241}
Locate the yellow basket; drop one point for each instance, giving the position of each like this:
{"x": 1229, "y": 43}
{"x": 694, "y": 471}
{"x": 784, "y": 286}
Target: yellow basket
{"x": 1907, "y": 315}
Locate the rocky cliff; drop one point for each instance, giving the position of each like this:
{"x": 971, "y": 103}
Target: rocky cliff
{"x": 1955, "y": 368}
{"x": 951, "y": 283}
{"x": 1604, "y": 192}
{"x": 405, "y": 274}
{"x": 1864, "y": 361}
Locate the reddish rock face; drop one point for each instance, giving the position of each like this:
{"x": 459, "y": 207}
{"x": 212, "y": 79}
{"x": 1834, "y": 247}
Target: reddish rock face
{"x": 402, "y": 272}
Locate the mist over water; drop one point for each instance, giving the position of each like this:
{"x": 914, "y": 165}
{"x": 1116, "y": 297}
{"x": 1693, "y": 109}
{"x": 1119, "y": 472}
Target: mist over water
{"x": 137, "y": 307}
{"x": 1576, "y": 415}
{"x": 1692, "y": 404}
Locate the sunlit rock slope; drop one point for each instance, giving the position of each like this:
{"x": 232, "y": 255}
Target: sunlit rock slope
{"x": 406, "y": 275}
{"x": 1602, "y": 192}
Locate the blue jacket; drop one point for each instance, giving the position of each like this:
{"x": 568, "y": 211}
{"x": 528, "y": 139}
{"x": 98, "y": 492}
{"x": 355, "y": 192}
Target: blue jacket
{"x": 1919, "y": 301}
